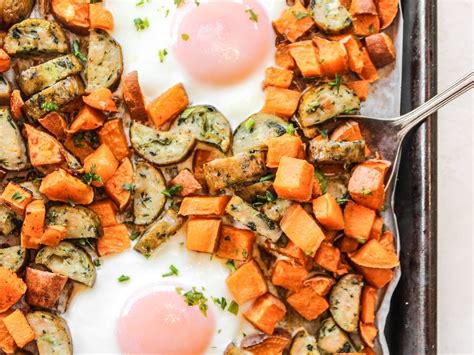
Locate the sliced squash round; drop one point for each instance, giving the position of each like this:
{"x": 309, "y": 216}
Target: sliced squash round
{"x": 7, "y": 220}
{"x": 12, "y": 258}
{"x": 332, "y": 339}
{"x": 148, "y": 200}
{"x": 12, "y": 147}
{"x": 252, "y": 133}
{"x": 51, "y": 333}
{"x": 161, "y": 147}
{"x": 80, "y": 222}
{"x": 330, "y": 15}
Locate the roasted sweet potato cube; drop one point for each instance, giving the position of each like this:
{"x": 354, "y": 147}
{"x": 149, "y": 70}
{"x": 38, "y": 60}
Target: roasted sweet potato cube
{"x": 366, "y": 186}
{"x": 78, "y": 146}
{"x": 115, "y": 186}
{"x": 374, "y": 254}
{"x": 320, "y": 284}
{"x": 112, "y": 134}
{"x": 61, "y": 186}
{"x": 360, "y": 87}
{"x": 381, "y": 49}
{"x": 387, "y": 10}
{"x": 235, "y": 243}
{"x": 168, "y": 105}
{"x": 308, "y": 303}
{"x": 328, "y": 256}
{"x": 11, "y": 289}
{"x": 247, "y": 283}
{"x": 204, "y": 205}
{"x": 43, "y": 149}
{"x": 283, "y": 58}
{"x": 55, "y": 124}
{"x": 306, "y": 58}
{"x": 87, "y": 119}
{"x": 33, "y": 224}
{"x": 101, "y": 164}
{"x": 328, "y": 212}
{"x": 302, "y": 229}
{"x": 288, "y": 275}
{"x": 19, "y": 328}
{"x": 287, "y": 145}
{"x": 358, "y": 221}
{"x": 187, "y": 181}
{"x": 281, "y": 102}
{"x": 53, "y": 235}
{"x": 290, "y": 26}
{"x": 376, "y": 231}
{"x": 201, "y": 157}
{"x": 368, "y": 304}
{"x": 203, "y": 234}
{"x": 353, "y": 52}
{"x": 101, "y": 99}
{"x": 16, "y": 197}
{"x": 332, "y": 56}
{"x": 294, "y": 252}
{"x": 266, "y": 312}
{"x": 369, "y": 71}
{"x": 44, "y": 287}
{"x": 114, "y": 240}
{"x": 280, "y": 78}
{"x": 376, "y": 277}
{"x": 7, "y": 343}
{"x": 106, "y": 211}
{"x": 368, "y": 332}
{"x": 294, "y": 179}
{"x": 348, "y": 245}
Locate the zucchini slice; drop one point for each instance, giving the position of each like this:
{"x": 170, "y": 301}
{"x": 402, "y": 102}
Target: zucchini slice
{"x": 158, "y": 232}
{"x": 35, "y": 37}
{"x": 250, "y": 192}
{"x": 252, "y": 133}
{"x": 161, "y": 147}
{"x": 242, "y": 167}
{"x": 12, "y": 147}
{"x": 304, "y": 344}
{"x": 344, "y": 301}
{"x": 207, "y": 124}
{"x": 276, "y": 209}
{"x": 104, "y": 61}
{"x": 51, "y": 333}
{"x": 7, "y": 220}
{"x": 68, "y": 260}
{"x": 12, "y": 258}
{"x": 79, "y": 221}
{"x": 256, "y": 221}
{"x": 14, "y": 11}
{"x": 332, "y": 339}
{"x": 40, "y": 77}
{"x": 148, "y": 200}
{"x": 320, "y": 103}
{"x": 326, "y": 151}
{"x": 330, "y": 15}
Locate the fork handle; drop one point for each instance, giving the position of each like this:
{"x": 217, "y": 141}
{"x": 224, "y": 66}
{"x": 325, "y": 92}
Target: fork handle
{"x": 411, "y": 119}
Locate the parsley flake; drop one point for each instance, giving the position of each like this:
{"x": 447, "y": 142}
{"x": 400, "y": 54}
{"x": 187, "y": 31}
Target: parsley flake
{"x": 336, "y": 82}
{"x": 18, "y": 197}
{"x": 194, "y": 297}
{"x": 184, "y": 36}
{"x": 173, "y": 190}
{"x": 76, "y": 50}
{"x": 128, "y": 187}
{"x": 290, "y": 129}
{"x": 252, "y": 15}
{"x": 123, "y": 278}
{"x": 268, "y": 177}
{"x": 162, "y": 53}
{"x": 173, "y": 272}
{"x": 249, "y": 124}
{"x": 231, "y": 265}
{"x": 49, "y": 106}
{"x": 141, "y": 24}
{"x": 321, "y": 179}
{"x": 233, "y": 308}
{"x": 222, "y": 302}
{"x": 91, "y": 176}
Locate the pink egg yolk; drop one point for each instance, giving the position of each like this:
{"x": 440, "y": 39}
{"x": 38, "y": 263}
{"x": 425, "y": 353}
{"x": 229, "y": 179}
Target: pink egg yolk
{"x": 222, "y": 42}
{"x": 160, "y": 322}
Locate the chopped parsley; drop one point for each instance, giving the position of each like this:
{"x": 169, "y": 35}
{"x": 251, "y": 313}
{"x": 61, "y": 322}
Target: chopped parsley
{"x": 300, "y": 14}
{"x": 77, "y": 140}
{"x": 173, "y": 272}
{"x": 268, "y": 177}
{"x": 18, "y": 197}
{"x": 366, "y": 192}
{"x": 323, "y": 132}
{"x": 249, "y": 124}
{"x": 184, "y": 36}
{"x": 233, "y": 308}
{"x": 290, "y": 129}
{"x": 162, "y": 53}
{"x": 194, "y": 297}
{"x": 76, "y": 50}
{"x": 134, "y": 235}
{"x": 222, "y": 302}
{"x": 260, "y": 200}
{"x": 231, "y": 265}
{"x": 141, "y": 24}
{"x": 282, "y": 242}
{"x": 91, "y": 176}
{"x": 321, "y": 179}
{"x": 173, "y": 190}
{"x": 342, "y": 200}
{"x": 336, "y": 82}
{"x": 128, "y": 187}
{"x": 252, "y": 15}
{"x": 49, "y": 106}
{"x": 123, "y": 278}
{"x": 142, "y": 2}
{"x": 178, "y": 3}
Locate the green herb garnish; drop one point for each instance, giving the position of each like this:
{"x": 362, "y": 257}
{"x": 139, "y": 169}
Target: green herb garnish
{"x": 301, "y": 14}
{"x": 336, "y": 82}
{"x": 321, "y": 179}
{"x": 252, "y": 15}
{"x": 91, "y": 176}
{"x": 141, "y": 24}
{"x": 178, "y": 3}
{"x": 173, "y": 190}
{"x": 134, "y": 235}
{"x": 76, "y": 50}
{"x": 249, "y": 124}
{"x": 268, "y": 177}
{"x": 49, "y": 106}
{"x": 233, "y": 308}
{"x": 222, "y": 302}
{"x": 173, "y": 272}
{"x": 196, "y": 298}
{"x": 231, "y": 265}
{"x": 128, "y": 187}
{"x": 290, "y": 129}
{"x": 18, "y": 197}
{"x": 162, "y": 53}
{"x": 123, "y": 278}
{"x": 184, "y": 36}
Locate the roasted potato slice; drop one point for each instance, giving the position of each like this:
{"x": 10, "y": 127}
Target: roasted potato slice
{"x": 254, "y": 131}
{"x": 158, "y": 232}
{"x": 207, "y": 124}
{"x": 104, "y": 61}
{"x": 44, "y": 287}
{"x": 255, "y": 220}
{"x": 12, "y": 147}
{"x": 40, "y": 77}
{"x": 79, "y": 221}
{"x": 7, "y": 220}
{"x": 35, "y": 37}
{"x": 263, "y": 344}
{"x": 276, "y": 209}
{"x": 250, "y": 192}
{"x": 13, "y": 11}
{"x": 68, "y": 260}
{"x": 54, "y": 97}
{"x": 5, "y": 90}
{"x": 304, "y": 344}
{"x": 148, "y": 200}
{"x": 326, "y": 151}
{"x": 51, "y": 333}
{"x": 330, "y": 16}
{"x": 332, "y": 339}
{"x": 12, "y": 258}
{"x": 344, "y": 301}
{"x": 322, "y": 102}
{"x": 161, "y": 147}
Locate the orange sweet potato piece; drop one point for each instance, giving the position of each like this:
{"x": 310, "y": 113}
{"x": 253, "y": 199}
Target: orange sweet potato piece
{"x": 377, "y": 228}
{"x": 73, "y": 14}
{"x": 33, "y": 224}
{"x": 187, "y": 181}
{"x": 113, "y": 135}
{"x": 54, "y": 123}
{"x": 353, "y": 52}
{"x": 288, "y": 275}
{"x": 204, "y": 205}
{"x": 7, "y": 343}
{"x": 16, "y": 197}
{"x": 358, "y": 221}
{"x": 87, "y": 119}
{"x": 287, "y": 145}
{"x": 361, "y": 88}
{"x": 294, "y": 179}
{"x": 102, "y": 163}
{"x": 366, "y": 186}
{"x": 11, "y": 289}
{"x": 305, "y": 55}
{"x": 290, "y": 26}
{"x": 283, "y": 58}
{"x": 328, "y": 212}
{"x": 280, "y": 102}
{"x": 347, "y": 131}
{"x": 368, "y": 332}
{"x": 61, "y": 186}
{"x": 348, "y": 245}
{"x": 308, "y": 303}
{"x": 133, "y": 96}
{"x": 373, "y": 254}
{"x": 235, "y": 243}
{"x": 277, "y": 77}
{"x": 100, "y": 17}
{"x": 101, "y": 99}
{"x": 203, "y": 234}
{"x": 4, "y": 61}
{"x": 365, "y": 24}
{"x": 298, "y": 225}
{"x": 201, "y": 157}
{"x": 381, "y": 49}
{"x": 386, "y": 240}
{"x": 114, "y": 187}
{"x": 369, "y": 71}
{"x": 247, "y": 282}
{"x": 317, "y": 189}
{"x": 168, "y": 105}
{"x": 387, "y": 10}
{"x": 265, "y": 313}
{"x": 114, "y": 240}
{"x": 44, "y": 287}
{"x": 16, "y": 104}
{"x": 53, "y": 235}
{"x": 332, "y": 57}
{"x": 376, "y": 277}
{"x": 106, "y": 211}
{"x": 78, "y": 146}
{"x": 291, "y": 250}
{"x": 368, "y": 304}
{"x": 19, "y": 328}
{"x": 328, "y": 256}
{"x": 320, "y": 284}
{"x": 42, "y": 148}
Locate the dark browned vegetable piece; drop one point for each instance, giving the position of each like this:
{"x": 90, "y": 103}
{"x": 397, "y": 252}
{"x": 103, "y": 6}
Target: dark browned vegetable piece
{"x": 381, "y": 49}
{"x": 133, "y": 96}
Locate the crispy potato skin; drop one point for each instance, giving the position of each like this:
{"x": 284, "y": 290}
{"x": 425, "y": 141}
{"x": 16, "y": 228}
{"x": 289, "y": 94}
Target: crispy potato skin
{"x": 44, "y": 288}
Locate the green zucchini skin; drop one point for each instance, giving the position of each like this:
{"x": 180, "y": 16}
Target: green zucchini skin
{"x": 12, "y": 147}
